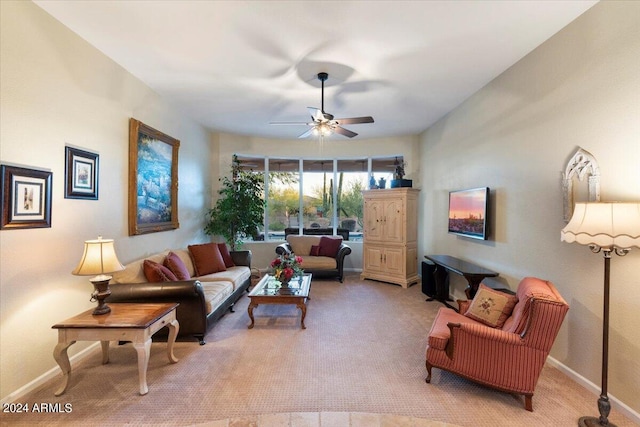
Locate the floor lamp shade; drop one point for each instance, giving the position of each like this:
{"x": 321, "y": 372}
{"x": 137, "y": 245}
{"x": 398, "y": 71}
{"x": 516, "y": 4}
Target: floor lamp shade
{"x": 607, "y": 228}
{"x": 99, "y": 258}
{"x": 606, "y": 225}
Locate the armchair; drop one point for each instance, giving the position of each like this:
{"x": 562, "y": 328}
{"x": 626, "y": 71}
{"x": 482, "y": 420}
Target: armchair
{"x": 509, "y": 358}
{"x": 320, "y": 264}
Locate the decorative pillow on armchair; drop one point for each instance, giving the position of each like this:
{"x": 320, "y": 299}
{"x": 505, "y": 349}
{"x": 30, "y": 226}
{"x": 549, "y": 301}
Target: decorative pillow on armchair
{"x": 155, "y": 272}
{"x": 329, "y": 246}
{"x": 491, "y": 307}
{"x": 207, "y": 258}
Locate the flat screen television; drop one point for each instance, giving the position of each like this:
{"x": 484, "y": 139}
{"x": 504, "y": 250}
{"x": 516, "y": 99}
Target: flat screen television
{"x": 468, "y": 211}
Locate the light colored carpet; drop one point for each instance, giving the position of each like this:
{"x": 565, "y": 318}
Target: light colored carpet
{"x": 362, "y": 352}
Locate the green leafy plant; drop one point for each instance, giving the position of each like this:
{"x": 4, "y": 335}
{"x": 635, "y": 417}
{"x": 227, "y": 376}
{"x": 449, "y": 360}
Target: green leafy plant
{"x": 239, "y": 211}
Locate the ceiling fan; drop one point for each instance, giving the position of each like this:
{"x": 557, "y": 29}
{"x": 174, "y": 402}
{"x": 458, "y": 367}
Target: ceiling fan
{"x": 323, "y": 123}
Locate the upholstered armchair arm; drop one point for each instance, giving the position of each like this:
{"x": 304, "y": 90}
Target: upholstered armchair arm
{"x": 241, "y": 258}
{"x": 494, "y": 356}
{"x": 283, "y": 249}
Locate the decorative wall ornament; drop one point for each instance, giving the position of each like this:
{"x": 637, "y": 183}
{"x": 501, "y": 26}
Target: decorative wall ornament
{"x": 25, "y": 196}
{"x": 582, "y": 164}
{"x": 153, "y": 180}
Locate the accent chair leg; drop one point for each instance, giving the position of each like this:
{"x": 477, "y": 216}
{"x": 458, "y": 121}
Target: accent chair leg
{"x": 428, "y": 380}
{"x": 528, "y": 402}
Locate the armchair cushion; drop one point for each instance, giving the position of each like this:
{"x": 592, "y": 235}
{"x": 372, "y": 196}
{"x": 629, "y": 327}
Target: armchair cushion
{"x": 329, "y": 246}
{"x": 491, "y": 307}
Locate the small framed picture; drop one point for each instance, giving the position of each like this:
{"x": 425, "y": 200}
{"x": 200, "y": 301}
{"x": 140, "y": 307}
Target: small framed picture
{"x": 81, "y": 174}
{"x": 26, "y": 198}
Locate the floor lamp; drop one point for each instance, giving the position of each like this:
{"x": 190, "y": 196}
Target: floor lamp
{"x": 607, "y": 228}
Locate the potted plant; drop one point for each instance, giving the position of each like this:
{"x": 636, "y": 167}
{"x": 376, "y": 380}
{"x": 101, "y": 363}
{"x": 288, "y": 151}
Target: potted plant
{"x": 239, "y": 211}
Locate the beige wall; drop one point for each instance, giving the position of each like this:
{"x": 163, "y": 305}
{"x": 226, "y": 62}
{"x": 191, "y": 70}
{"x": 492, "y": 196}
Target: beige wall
{"x": 57, "y": 90}
{"x": 579, "y": 89}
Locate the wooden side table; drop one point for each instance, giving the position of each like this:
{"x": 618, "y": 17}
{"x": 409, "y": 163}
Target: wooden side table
{"x": 126, "y": 322}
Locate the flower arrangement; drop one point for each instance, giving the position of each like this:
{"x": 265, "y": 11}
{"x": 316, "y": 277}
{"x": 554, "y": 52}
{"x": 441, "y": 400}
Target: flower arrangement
{"x": 286, "y": 266}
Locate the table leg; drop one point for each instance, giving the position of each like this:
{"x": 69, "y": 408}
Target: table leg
{"x": 61, "y": 356}
{"x": 174, "y": 327}
{"x": 105, "y": 352}
{"x": 303, "y": 307}
{"x": 472, "y": 288}
{"x": 143, "y": 349}
{"x": 250, "y": 310}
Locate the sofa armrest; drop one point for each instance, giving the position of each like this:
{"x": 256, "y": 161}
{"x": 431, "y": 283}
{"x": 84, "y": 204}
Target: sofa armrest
{"x": 191, "y": 313}
{"x": 242, "y": 258}
{"x": 283, "y": 249}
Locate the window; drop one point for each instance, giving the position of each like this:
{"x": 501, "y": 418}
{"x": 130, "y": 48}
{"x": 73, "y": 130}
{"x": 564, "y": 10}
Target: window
{"x": 318, "y": 193}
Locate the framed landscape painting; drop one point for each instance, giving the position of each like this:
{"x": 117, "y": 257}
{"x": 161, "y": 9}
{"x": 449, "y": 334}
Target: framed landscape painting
{"x": 26, "y": 198}
{"x": 153, "y": 180}
{"x": 81, "y": 174}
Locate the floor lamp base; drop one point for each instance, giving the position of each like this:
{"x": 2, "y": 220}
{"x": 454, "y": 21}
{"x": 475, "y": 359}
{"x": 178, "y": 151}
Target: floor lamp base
{"x": 593, "y": 422}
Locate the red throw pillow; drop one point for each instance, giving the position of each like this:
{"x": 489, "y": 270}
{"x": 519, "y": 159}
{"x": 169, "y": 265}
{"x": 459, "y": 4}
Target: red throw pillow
{"x": 155, "y": 272}
{"x": 315, "y": 250}
{"x": 206, "y": 258}
{"x": 226, "y": 256}
{"x": 177, "y": 267}
{"x": 329, "y": 246}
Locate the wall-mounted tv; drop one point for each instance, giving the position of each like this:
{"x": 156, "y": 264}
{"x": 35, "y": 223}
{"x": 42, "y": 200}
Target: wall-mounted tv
{"x": 468, "y": 211}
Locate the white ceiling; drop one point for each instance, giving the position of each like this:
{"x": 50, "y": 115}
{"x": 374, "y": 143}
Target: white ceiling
{"x": 235, "y": 66}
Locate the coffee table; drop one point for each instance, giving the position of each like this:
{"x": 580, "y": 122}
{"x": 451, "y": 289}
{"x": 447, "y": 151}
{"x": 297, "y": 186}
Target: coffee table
{"x": 270, "y": 291}
{"x": 126, "y": 322}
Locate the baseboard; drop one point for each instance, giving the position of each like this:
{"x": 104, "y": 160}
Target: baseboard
{"x": 51, "y": 374}
{"x": 595, "y": 389}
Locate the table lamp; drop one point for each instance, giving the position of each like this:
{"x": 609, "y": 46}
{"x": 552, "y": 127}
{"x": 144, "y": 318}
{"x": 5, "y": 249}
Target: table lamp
{"x": 607, "y": 228}
{"x": 99, "y": 258}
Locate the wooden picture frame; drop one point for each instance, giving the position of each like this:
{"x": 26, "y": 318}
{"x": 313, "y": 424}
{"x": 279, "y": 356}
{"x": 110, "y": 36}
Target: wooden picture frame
{"x": 26, "y": 198}
{"x": 81, "y": 174}
{"x": 153, "y": 180}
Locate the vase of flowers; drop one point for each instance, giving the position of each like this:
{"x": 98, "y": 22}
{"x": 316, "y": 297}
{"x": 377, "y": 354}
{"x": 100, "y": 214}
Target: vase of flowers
{"x": 285, "y": 267}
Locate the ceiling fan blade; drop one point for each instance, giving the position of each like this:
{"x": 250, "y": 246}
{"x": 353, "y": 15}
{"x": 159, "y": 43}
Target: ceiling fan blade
{"x": 343, "y": 131}
{"x": 289, "y": 123}
{"x": 355, "y": 120}
{"x": 316, "y": 114}
{"x": 307, "y": 133}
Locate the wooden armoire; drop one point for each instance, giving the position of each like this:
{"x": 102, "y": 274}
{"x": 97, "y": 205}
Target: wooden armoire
{"x": 390, "y": 245}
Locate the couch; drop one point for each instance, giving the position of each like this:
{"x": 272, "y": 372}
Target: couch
{"x": 499, "y": 340}
{"x": 323, "y": 256}
{"x": 204, "y": 296}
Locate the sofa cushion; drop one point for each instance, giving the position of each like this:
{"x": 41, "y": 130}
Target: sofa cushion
{"x": 301, "y": 245}
{"x": 174, "y": 263}
{"x": 319, "y": 263}
{"x": 329, "y": 245}
{"x": 207, "y": 258}
{"x": 226, "y": 256}
{"x": 491, "y": 307}
{"x": 156, "y": 272}
{"x": 236, "y": 275}
{"x": 215, "y": 293}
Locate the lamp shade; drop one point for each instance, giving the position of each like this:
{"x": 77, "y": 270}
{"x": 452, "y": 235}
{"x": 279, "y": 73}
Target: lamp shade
{"x": 607, "y": 225}
{"x": 99, "y": 258}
